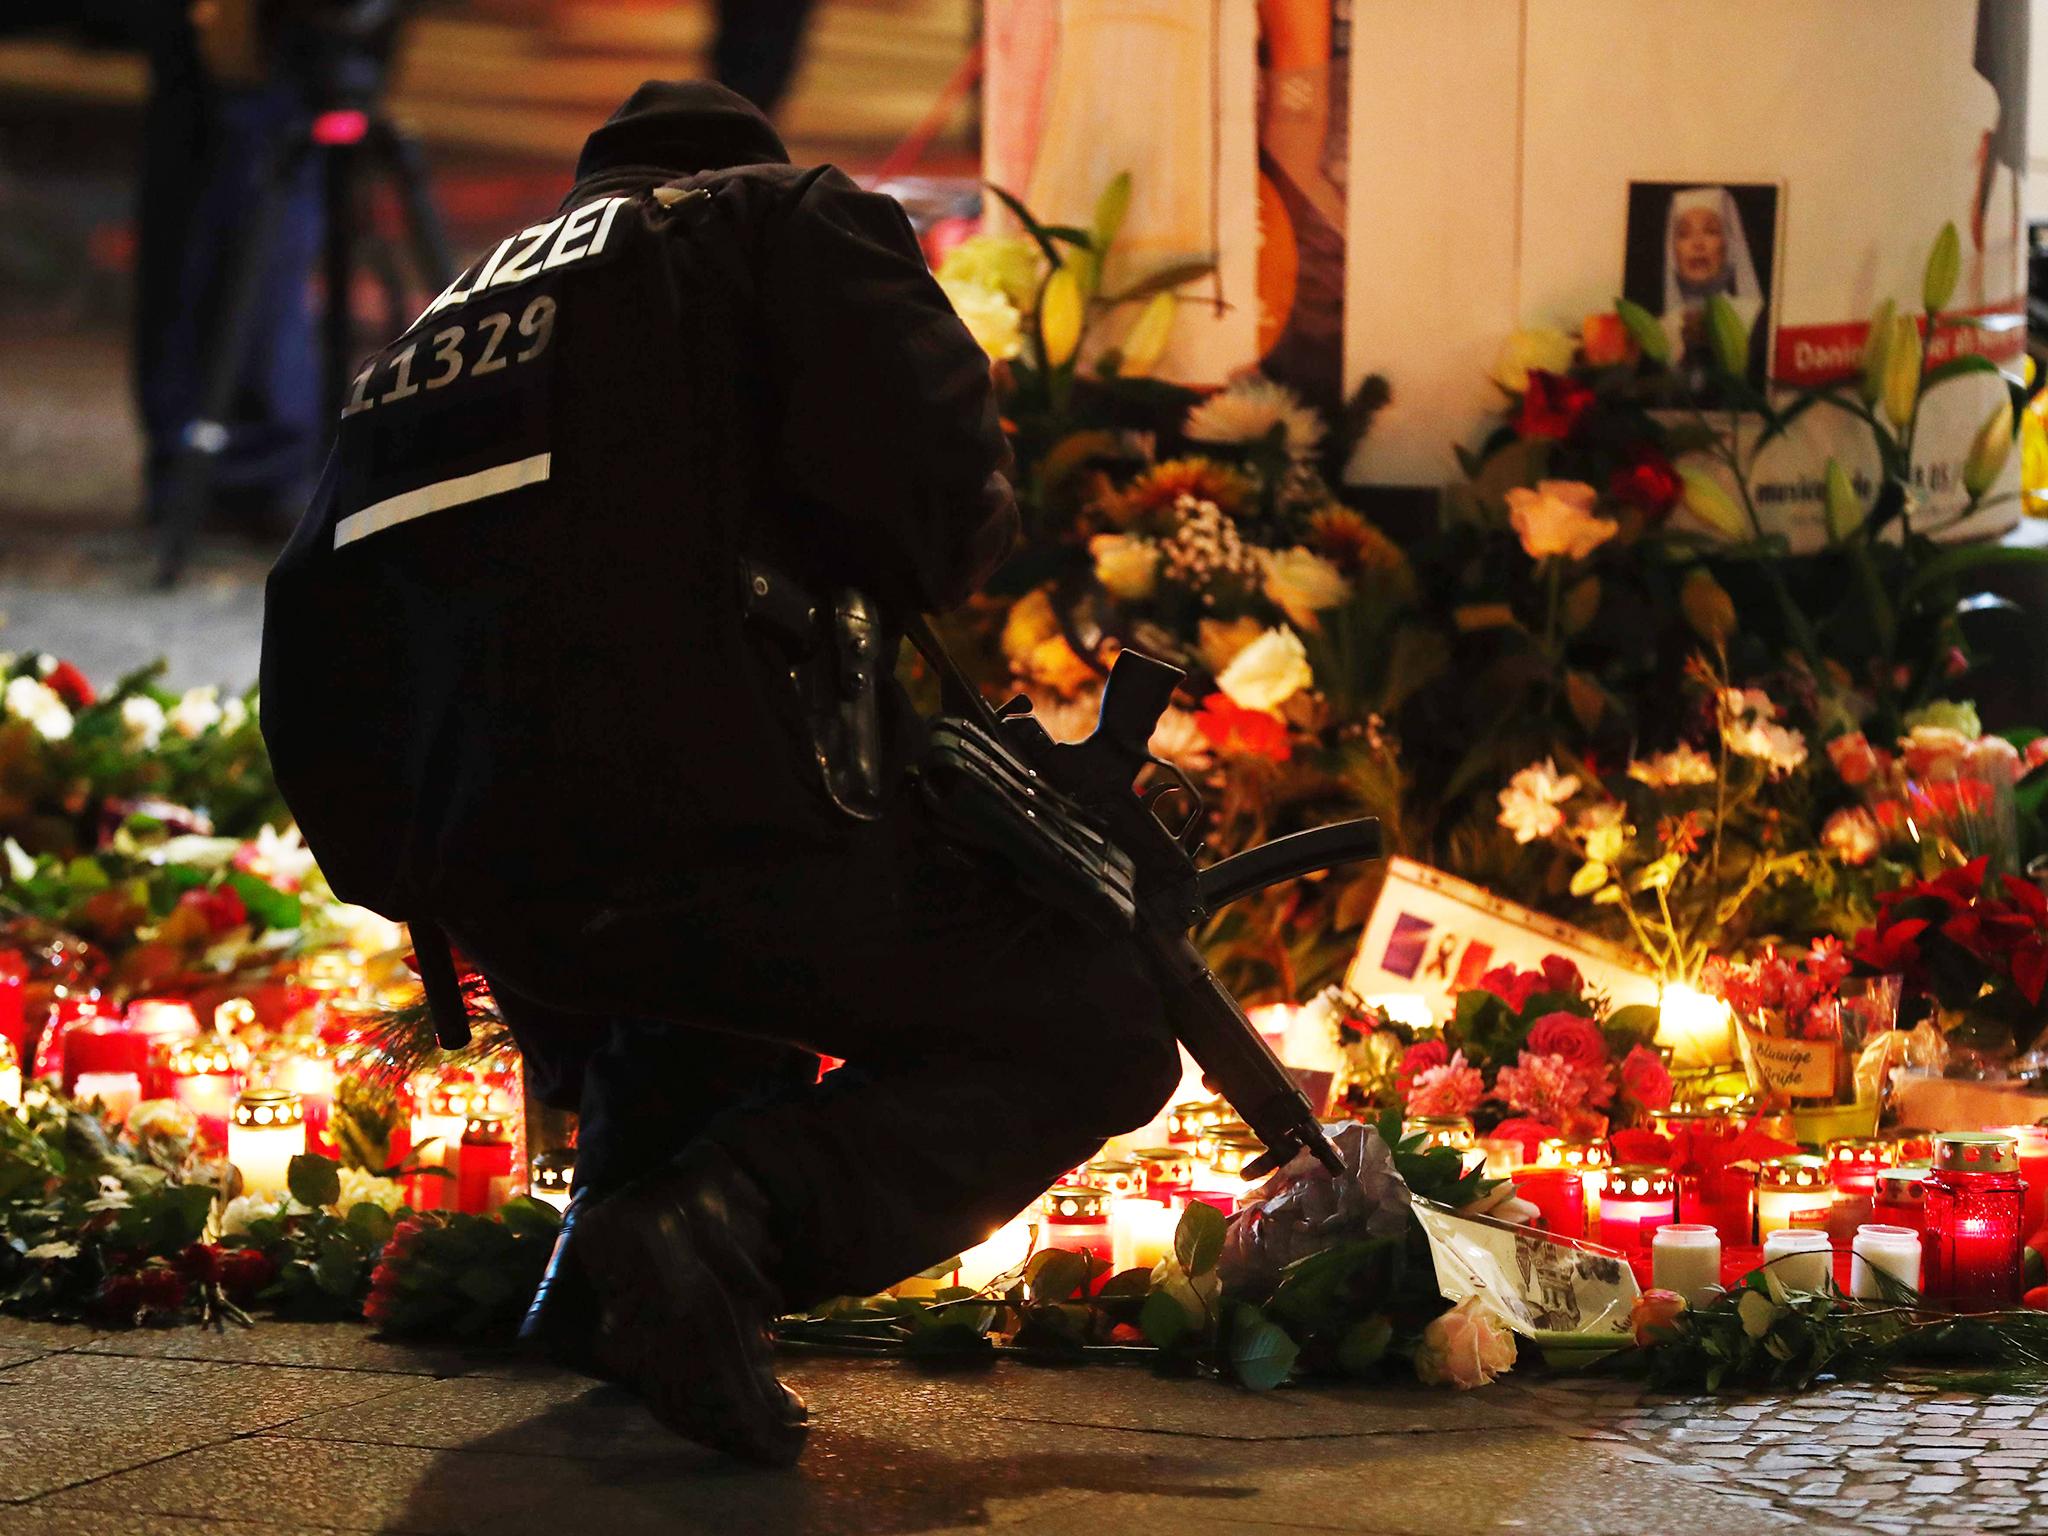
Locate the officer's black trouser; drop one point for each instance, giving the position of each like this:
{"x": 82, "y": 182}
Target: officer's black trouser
{"x": 991, "y": 1044}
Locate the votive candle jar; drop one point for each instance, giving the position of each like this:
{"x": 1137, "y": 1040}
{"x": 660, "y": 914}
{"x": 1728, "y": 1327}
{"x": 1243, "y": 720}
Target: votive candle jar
{"x": 1901, "y": 1198}
{"x": 96, "y": 1046}
{"x": 1122, "y": 1178}
{"x": 1213, "y": 1136}
{"x": 1231, "y": 1155}
{"x": 1164, "y": 1171}
{"x": 1800, "y": 1257}
{"x": 1638, "y": 1199}
{"x": 10, "y": 1075}
{"x": 1723, "y": 1198}
{"x": 115, "y": 1092}
{"x": 1686, "y": 1257}
{"x": 1974, "y": 1209}
{"x": 1077, "y": 1219}
{"x": 1881, "y": 1247}
{"x": 1453, "y": 1131}
{"x": 442, "y": 1111}
{"x": 483, "y": 1176}
{"x": 267, "y": 1130}
{"x": 551, "y": 1176}
{"x": 998, "y": 1254}
{"x": 161, "y": 1018}
{"x": 1559, "y": 1196}
{"x": 1140, "y": 1232}
{"x": 1792, "y": 1192}
{"x": 203, "y": 1073}
{"x": 1854, "y": 1162}
{"x": 1186, "y": 1121}
{"x": 1590, "y": 1160}
{"x": 2032, "y": 1142}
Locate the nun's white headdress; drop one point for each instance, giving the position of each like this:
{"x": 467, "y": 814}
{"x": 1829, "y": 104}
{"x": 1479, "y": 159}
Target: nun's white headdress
{"x": 1738, "y": 272}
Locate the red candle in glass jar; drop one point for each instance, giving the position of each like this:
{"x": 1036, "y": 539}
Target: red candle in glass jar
{"x": 1077, "y": 1219}
{"x": 97, "y": 1045}
{"x": 1854, "y": 1162}
{"x": 1723, "y": 1198}
{"x": 483, "y": 1176}
{"x": 68, "y": 1010}
{"x": 205, "y": 1075}
{"x": 1637, "y": 1199}
{"x": 1975, "y": 1205}
{"x": 14, "y": 1001}
{"x": 1559, "y": 1195}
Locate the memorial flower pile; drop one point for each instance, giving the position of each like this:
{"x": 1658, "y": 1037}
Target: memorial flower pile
{"x": 1534, "y": 1054}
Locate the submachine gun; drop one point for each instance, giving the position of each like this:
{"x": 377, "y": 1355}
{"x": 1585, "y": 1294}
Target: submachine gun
{"x": 1072, "y": 823}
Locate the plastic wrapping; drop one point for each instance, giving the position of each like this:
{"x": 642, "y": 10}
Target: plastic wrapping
{"x": 1304, "y": 1208}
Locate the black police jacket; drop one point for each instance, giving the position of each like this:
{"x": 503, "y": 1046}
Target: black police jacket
{"x": 502, "y": 654}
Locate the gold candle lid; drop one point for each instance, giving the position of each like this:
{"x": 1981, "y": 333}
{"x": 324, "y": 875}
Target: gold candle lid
{"x": 1233, "y": 1152}
{"x": 1902, "y": 1186}
{"x": 485, "y": 1129}
{"x": 1800, "y": 1171}
{"x": 1113, "y": 1174}
{"x": 1564, "y": 1152}
{"x": 552, "y": 1169}
{"x": 1076, "y": 1202}
{"x": 200, "y": 1056}
{"x": 1976, "y": 1152}
{"x": 270, "y": 1109}
{"x": 1640, "y": 1181}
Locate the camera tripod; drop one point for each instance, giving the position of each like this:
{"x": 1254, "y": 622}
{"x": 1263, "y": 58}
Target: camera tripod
{"x": 342, "y": 135}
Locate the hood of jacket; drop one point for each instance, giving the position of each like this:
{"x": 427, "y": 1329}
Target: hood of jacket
{"x": 673, "y": 128}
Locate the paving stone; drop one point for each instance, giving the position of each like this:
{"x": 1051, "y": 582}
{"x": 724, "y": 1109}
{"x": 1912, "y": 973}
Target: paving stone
{"x": 69, "y": 1417}
{"x": 324, "y": 1346}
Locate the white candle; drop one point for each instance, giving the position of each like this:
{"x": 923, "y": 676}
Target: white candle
{"x": 1002, "y": 1252}
{"x": 1894, "y": 1250}
{"x": 1800, "y": 1257}
{"x": 1141, "y": 1232}
{"x": 117, "y": 1092}
{"x": 10, "y": 1084}
{"x": 1698, "y": 1028}
{"x": 268, "y": 1130}
{"x": 1686, "y": 1257}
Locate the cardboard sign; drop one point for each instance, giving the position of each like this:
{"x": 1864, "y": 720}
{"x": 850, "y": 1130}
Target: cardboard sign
{"x": 1798, "y": 1069}
{"x": 1432, "y": 936}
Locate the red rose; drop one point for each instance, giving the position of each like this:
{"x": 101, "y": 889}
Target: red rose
{"x": 70, "y": 685}
{"x": 222, "y": 907}
{"x": 1231, "y": 728}
{"x": 1574, "y": 1038}
{"x": 1552, "y": 406}
{"x": 199, "y": 1263}
{"x": 1560, "y": 975}
{"x": 1418, "y": 1059}
{"x": 1649, "y": 484}
{"x": 1645, "y": 1078}
{"x": 1511, "y": 986}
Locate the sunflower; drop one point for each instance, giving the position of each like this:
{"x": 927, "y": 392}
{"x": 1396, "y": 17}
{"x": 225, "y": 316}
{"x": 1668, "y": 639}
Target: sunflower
{"x": 1157, "y": 490}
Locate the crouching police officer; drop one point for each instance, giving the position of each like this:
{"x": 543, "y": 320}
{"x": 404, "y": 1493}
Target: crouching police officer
{"x": 581, "y": 659}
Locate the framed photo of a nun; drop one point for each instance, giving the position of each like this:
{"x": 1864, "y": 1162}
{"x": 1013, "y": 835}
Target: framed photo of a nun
{"x": 1690, "y": 240}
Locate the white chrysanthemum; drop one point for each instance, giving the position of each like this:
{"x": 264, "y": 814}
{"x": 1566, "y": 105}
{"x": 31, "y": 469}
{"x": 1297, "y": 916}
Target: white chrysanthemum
{"x": 1067, "y": 720}
{"x": 143, "y": 719}
{"x": 234, "y": 714}
{"x": 361, "y": 1187}
{"x": 1303, "y": 583}
{"x": 1268, "y": 672}
{"x": 1529, "y": 806}
{"x": 1251, "y": 407}
{"x": 36, "y": 702}
{"x": 244, "y": 1211}
{"x": 196, "y": 713}
{"x": 1127, "y": 566}
{"x": 1682, "y": 765}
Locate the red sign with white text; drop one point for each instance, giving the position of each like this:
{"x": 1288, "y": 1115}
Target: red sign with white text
{"x": 1827, "y": 354}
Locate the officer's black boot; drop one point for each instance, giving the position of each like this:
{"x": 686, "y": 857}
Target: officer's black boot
{"x": 680, "y": 1261}
{"x": 562, "y": 1319}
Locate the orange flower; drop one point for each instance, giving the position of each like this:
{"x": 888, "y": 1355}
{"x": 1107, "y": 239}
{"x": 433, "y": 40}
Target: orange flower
{"x": 1353, "y": 543}
{"x": 1605, "y": 341}
{"x": 1156, "y": 490}
{"x": 1655, "y": 1316}
{"x": 1231, "y": 728}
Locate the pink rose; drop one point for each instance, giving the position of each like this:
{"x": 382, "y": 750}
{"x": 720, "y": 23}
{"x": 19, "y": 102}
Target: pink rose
{"x": 1466, "y": 1347}
{"x": 1935, "y": 751}
{"x": 1645, "y": 1078}
{"x": 1573, "y": 1037}
{"x": 1854, "y": 757}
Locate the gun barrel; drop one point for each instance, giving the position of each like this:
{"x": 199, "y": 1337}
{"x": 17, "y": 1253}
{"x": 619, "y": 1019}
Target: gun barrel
{"x": 1288, "y": 858}
{"x": 1234, "y": 1056}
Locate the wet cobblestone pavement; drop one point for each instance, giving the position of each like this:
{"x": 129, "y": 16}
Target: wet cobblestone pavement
{"x": 304, "y": 1428}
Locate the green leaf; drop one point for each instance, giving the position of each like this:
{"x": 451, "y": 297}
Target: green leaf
{"x": 1055, "y": 1274}
{"x": 953, "y": 1341}
{"x": 1953, "y": 562}
{"x": 1646, "y": 328}
{"x": 1957, "y": 368}
{"x": 525, "y": 1216}
{"x": 1198, "y": 1238}
{"x": 1944, "y": 264}
{"x": 84, "y": 874}
{"x": 1164, "y": 279}
{"x": 372, "y": 1223}
{"x": 270, "y": 907}
{"x": 1730, "y": 336}
{"x": 1261, "y": 1353}
{"x": 1364, "y": 1345}
{"x": 1038, "y": 232}
{"x": 1110, "y": 209}
{"x": 1163, "y": 1321}
{"x": 313, "y": 1181}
